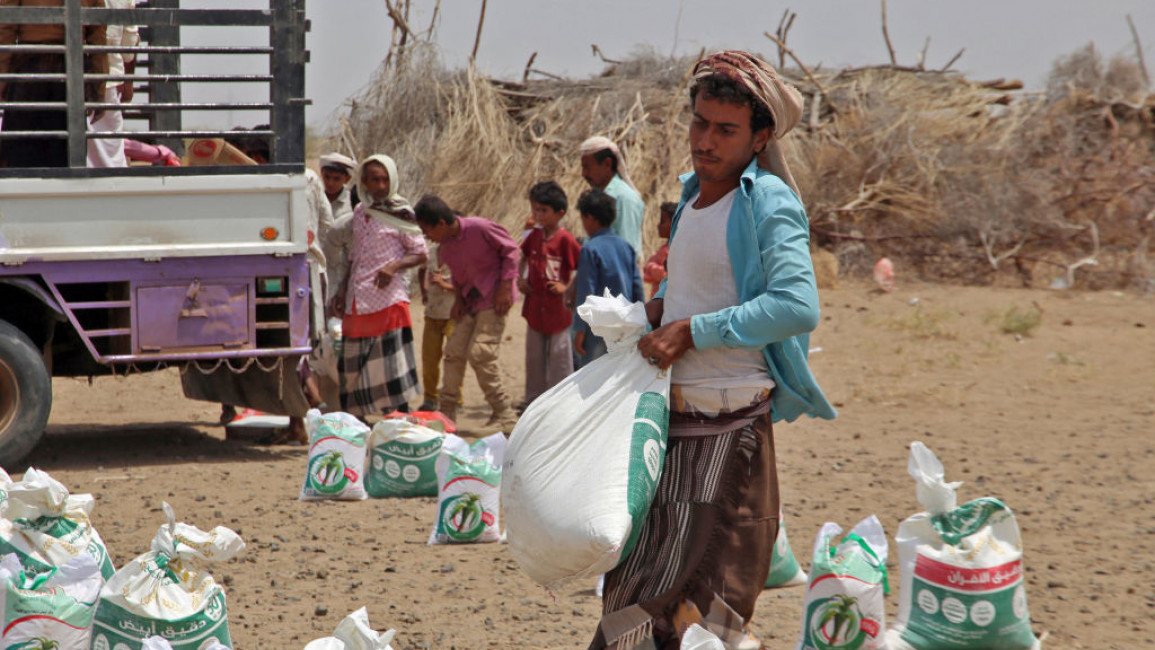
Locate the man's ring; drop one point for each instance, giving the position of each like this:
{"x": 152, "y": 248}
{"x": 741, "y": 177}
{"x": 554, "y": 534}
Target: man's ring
{"x": 653, "y": 361}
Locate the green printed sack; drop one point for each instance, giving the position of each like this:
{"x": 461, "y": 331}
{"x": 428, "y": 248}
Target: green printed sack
{"x": 163, "y": 593}
{"x": 53, "y": 609}
{"x": 845, "y": 603}
{"x": 784, "y": 569}
{"x": 585, "y": 458}
{"x": 336, "y": 465}
{"x": 469, "y": 491}
{"x": 402, "y": 460}
{"x": 46, "y": 527}
{"x": 962, "y": 570}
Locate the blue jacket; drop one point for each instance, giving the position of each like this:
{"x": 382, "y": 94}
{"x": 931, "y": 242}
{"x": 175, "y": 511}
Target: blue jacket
{"x": 768, "y": 238}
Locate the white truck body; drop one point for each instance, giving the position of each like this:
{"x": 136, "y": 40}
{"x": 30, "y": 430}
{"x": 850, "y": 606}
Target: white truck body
{"x": 157, "y": 217}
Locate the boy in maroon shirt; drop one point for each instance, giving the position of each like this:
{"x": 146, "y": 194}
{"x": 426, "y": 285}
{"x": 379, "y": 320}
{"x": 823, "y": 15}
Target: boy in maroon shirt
{"x": 550, "y": 254}
{"x": 483, "y": 260}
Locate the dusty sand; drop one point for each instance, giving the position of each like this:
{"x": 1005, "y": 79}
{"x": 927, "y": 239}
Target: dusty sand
{"x": 1058, "y": 425}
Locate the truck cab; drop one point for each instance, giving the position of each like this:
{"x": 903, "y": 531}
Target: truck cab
{"x": 120, "y": 270}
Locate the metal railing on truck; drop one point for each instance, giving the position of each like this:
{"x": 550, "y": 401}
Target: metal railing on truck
{"x": 160, "y": 22}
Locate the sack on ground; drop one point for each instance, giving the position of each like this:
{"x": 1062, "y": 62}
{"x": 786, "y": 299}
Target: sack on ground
{"x": 469, "y": 490}
{"x": 165, "y": 592}
{"x": 845, "y": 603}
{"x": 160, "y": 643}
{"x": 336, "y": 463}
{"x": 585, "y": 457}
{"x": 962, "y": 570}
{"x": 402, "y": 460}
{"x": 784, "y": 569}
{"x": 45, "y": 526}
{"x": 354, "y": 633}
{"x": 54, "y": 607}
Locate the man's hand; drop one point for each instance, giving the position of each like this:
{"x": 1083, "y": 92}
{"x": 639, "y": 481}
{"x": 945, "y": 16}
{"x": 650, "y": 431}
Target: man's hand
{"x": 579, "y": 342}
{"x": 523, "y": 286}
{"x": 337, "y": 305}
{"x": 126, "y": 92}
{"x": 385, "y": 275}
{"x": 504, "y": 298}
{"x": 556, "y": 288}
{"x": 665, "y": 345}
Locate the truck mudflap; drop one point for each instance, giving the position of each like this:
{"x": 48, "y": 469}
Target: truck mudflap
{"x": 269, "y": 385}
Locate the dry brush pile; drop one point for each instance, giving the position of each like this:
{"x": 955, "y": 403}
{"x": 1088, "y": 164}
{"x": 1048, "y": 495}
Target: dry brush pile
{"x": 955, "y": 180}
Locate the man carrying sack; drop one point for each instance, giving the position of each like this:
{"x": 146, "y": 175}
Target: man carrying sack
{"x": 731, "y": 321}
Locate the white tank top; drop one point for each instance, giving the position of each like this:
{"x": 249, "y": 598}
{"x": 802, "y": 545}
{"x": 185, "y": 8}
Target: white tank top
{"x": 701, "y": 281}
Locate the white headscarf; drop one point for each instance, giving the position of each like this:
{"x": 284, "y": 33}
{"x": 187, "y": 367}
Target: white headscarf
{"x": 601, "y": 143}
{"x": 395, "y": 210}
{"x": 340, "y": 161}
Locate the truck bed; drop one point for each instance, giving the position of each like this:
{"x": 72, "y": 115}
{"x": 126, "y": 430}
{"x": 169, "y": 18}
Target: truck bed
{"x": 153, "y": 217}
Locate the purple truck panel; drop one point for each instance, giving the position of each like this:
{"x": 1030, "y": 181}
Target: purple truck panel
{"x": 185, "y": 308}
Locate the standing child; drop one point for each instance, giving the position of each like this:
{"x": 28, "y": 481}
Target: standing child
{"x": 606, "y": 262}
{"x": 655, "y": 269}
{"x": 437, "y": 294}
{"x": 482, "y": 258}
{"x": 549, "y": 258}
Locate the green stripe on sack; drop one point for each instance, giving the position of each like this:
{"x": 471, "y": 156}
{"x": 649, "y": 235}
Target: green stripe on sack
{"x": 116, "y": 625}
{"x": 647, "y": 457}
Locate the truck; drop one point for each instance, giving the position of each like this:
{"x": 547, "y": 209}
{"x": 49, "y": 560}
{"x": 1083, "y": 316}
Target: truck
{"x": 134, "y": 269}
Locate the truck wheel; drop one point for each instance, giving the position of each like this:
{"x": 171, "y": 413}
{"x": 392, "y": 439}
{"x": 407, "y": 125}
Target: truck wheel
{"x": 25, "y": 395}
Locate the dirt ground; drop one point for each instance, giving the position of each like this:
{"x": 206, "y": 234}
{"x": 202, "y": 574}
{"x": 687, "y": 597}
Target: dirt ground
{"x": 1057, "y": 423}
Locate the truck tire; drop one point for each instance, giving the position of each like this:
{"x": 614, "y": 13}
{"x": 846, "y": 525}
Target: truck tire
{"x": 25, "y": 395}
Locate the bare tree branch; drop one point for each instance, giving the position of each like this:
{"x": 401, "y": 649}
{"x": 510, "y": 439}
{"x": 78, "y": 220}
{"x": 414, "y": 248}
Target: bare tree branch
{"x": 598, "y": 53}
{"x": 989, "y": 245}
{"x": 783, "y": 30}
{"x": 433, "y": 20}
{"x": 952, "y": 61}
{"x": 805, "y": 70}
{"x": 477, "y": 39}
{"x": 922, "y": 54}
{"x": 1139, "y": 51}
{"x": 886, "y": 35}
{"x": 528, "y": 67}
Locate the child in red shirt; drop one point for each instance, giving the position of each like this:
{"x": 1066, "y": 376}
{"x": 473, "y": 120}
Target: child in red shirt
{"x": 655, "y": 269}
{"x": 549, "y": 257}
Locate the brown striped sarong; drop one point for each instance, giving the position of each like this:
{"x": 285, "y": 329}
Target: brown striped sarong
{"x": 704, "y": 550}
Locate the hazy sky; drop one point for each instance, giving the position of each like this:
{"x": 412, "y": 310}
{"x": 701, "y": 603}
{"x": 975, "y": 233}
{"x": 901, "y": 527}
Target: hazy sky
{"x": 1007, "y": 38}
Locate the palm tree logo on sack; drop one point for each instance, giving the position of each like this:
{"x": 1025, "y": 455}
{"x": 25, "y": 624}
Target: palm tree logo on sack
{"x": 837, "y": 624}
{"x": 39, "y": 643}
{"x": 328, "y": 473}
{"x": 464, "y": 517}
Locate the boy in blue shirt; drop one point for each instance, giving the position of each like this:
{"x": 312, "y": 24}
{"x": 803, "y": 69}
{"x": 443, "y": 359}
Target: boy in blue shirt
{"x": 606, "y": 262}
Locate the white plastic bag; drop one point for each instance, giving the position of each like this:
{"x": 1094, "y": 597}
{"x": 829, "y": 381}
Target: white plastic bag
{"x": 336, "y": 465}
{"x": 163, "y": 593}
{"x": 469, "y": 490}
{"x": 962, "y": 572}
{"x": 697, "y": 638}
{"x": 845, "y": 603}
{"x": 585, "y": 457}
{"x": 56, "y": 606}
{"x": 45, "y": 526}
{"x": 402, "y": 460}
{"x": 354, "y": 633}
